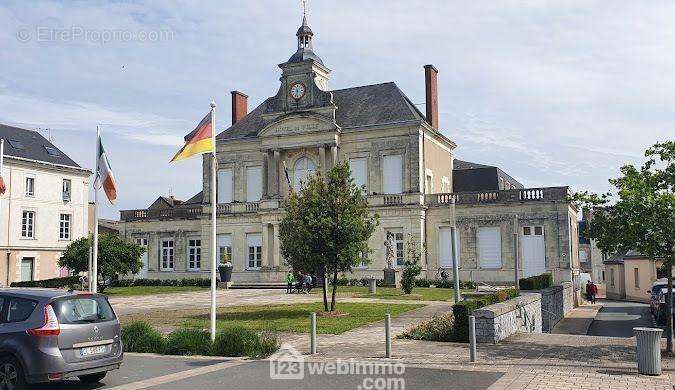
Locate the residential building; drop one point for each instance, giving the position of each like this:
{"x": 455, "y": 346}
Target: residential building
{"x": 630, "y": 276}
{"x": 470, "y": 176}
{"x": 591, "y": 258}
{"x": 397, "y": 152}
{"x": 43, "y": 209}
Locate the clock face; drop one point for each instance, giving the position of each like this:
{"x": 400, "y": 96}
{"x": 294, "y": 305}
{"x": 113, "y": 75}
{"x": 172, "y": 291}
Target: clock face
{"x": 297, "y": 91}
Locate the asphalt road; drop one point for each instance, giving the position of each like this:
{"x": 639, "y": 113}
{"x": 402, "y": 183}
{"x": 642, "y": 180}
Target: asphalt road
{"x": 618, "y": 318}
{"x": 140, "y": 371}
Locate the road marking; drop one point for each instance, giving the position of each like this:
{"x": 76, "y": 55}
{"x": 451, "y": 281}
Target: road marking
{"x": 160, "y": 380}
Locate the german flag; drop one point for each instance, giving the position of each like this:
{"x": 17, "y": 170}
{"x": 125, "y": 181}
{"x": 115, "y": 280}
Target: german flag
{"x": 198, "y": 141}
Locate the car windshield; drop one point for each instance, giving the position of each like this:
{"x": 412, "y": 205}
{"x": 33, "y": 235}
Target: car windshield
{"x": 80, "y": 310}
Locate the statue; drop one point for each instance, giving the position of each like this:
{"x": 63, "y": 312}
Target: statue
{"x": 390, "y": 247}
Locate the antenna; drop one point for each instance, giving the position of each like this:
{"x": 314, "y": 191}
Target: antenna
{"x": 304, "y": 7}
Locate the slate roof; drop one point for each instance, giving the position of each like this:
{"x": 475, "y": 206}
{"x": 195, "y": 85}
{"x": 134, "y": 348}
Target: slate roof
{"x": 32, "y": 145}
{"x": 619, "y": 258}
{"x": 460, "y": 164}
{"x": 363, "y": 106}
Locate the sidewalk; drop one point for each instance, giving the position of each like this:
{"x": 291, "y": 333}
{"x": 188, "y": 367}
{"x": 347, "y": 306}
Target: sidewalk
{"x": 578, "y": 320}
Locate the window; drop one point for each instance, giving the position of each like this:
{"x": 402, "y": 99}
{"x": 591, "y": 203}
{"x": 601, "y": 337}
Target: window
{"x": 20, "y": 309}
{"x": 166, "y": 254}
{"x": 81, "y": 310}
{"x": 445, "y": 247}
{"x": 398, "y": 245}
{"x": 392, "y": 174}
{"x": 527, "y": 231}
{"x": 66, "y": 190}
{"x": 364, "y": 260}
{"x": 194, "y": 254}
{"x": 301, "y": 171}
{"x": 636, "y": 275}
{"x": 501, "y": 183}
{"x": 64, "y": 227}
{"x": 254, "y": 244}
{"x": 533, "y": 230}
{"x": 52, "y": 151}
{"x": 224, "y": 246}
{"x": 445, "y": 185}
{"x": 489, "y": 247}
{"x": 30, "y": 186}
{"x": 28, "y": 224}
{"x": 429, "y": 183}
{"x": 253, "y": 184}
{"x": 142, "y": 242}
{"x": 538, "y": 230}
{"x": 225, "y": 185}
{"x": 603, "y": 275}
{"x": 27, "y": 269}
{"x": 16, "y": 144}
{"x": 359, "y": 168}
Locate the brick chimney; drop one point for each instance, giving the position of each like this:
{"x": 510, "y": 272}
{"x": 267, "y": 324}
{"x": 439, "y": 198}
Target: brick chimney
{"x": 431, "y": 84}
{"x": 239, "y": 106}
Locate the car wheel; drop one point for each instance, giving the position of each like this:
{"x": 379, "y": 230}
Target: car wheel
{"x": 11, "y": 374}
{"x": 93, "y": 378}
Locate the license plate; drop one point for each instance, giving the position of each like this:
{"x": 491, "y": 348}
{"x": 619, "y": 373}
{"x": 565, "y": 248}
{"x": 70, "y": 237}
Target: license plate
{"x": 92, "y": 351}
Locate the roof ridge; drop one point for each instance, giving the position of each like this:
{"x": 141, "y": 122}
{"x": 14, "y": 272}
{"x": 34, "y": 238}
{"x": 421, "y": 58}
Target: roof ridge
{"x": 364, "y": 86}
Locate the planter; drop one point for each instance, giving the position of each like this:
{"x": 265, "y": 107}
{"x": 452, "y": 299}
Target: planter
{"x": 225, "y": 271}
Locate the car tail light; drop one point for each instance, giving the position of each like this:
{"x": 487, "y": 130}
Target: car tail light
{"x": 51, "y": 326}
{"x": 55, "y": 376}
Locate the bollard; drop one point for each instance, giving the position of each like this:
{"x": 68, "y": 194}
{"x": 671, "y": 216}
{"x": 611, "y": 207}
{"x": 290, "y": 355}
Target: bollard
{"x": 312, "y": 322}
{"x": 472, "y": 338}
{"x": 387, "y": 334}
{"x": 372, "y": 286}
{"x": 648, "y": 350}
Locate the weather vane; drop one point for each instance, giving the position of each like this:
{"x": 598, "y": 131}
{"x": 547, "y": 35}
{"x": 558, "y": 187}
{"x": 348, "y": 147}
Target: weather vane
{"x": 304, "y": 7}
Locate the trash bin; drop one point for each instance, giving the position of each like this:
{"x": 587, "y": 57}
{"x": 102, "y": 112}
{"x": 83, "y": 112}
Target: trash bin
{"x": 648, "y": 350}
{"x": 372, "y": 286}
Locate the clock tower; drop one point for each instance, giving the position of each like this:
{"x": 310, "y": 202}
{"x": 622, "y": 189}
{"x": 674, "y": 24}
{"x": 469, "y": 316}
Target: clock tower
{"x": 304, "y": 78}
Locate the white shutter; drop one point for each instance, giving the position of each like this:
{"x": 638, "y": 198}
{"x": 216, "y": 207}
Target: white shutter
{"x": 392, "y": 174}
{"x": 253, "y": 239}
{"x": 253, "y": 184}
{"x": 489, "y": 247}
{"x": 445, "y": 247}
{"x": 225, "y": 185}
{"x": 224, "y": 240}
{"x": 359, "y": 168}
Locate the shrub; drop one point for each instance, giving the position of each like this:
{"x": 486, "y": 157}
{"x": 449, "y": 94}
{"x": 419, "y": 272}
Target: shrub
{"x": 268, "y": 343}
{"x": 439, "y": 328}
{"x": 50, "y": 283}
{"x": 236, "y": 341}
{"x": 188, "y": 342}
{"x": 141, "y": 337}
{"x": 538, "y": 282}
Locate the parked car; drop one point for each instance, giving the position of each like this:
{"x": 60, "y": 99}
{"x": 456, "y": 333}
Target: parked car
{"x": 52, "y": 335}
{"x": 654, "y": 295}
{"x": 663, "y": 309}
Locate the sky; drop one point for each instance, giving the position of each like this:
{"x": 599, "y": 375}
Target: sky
{"x": 554, "y": 93}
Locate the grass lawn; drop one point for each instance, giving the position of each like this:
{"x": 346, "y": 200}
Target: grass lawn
{"x": 149, "y": 290}
{"x": 418, "y": 293}
{"x": 285, "y": 318}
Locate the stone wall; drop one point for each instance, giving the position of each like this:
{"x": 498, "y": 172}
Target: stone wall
{"x": 501, "y": 320}
{"x": 556, "y": 302}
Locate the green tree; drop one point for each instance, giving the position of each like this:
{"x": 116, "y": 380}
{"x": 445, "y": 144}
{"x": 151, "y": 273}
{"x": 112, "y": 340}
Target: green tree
{"x": 326, "y": 227}
{"x": 115, "y": 257}
{"x": 643, "y": 217}
{"x": 411, "y": 265}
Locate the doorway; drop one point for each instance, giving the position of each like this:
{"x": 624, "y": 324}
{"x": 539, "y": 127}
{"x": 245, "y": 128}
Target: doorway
{"x": 143, "y": 273}
{"x": 27, "y": 269}
{"x": 533, "y": 251}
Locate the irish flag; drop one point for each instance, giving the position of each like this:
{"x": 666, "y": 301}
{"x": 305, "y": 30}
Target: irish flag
{"x": 104, "y": 175}
{"x": 200, "y": 140}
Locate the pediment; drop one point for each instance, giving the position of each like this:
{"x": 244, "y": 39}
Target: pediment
{"x": 300, "y": 123}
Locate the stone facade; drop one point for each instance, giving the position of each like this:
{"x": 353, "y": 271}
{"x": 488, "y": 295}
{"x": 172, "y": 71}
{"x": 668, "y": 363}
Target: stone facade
{"x": 556, "y": 303}
{"x": 501, "y": 320}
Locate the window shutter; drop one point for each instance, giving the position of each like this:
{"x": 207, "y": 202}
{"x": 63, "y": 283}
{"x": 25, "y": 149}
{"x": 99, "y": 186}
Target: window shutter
{"x": 254, "y": 239}
{"x": 225, "y": 185}
{"x": 392, "y": 178}
{"x": 489, "y": 247}
{"x": 359, "y": 168}
{"x": 445, "y": 247}
{"x": 253, "y": 184}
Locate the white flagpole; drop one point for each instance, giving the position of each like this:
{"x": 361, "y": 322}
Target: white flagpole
{"x": 214, "y": 249}
{"x": 93, "y": 272}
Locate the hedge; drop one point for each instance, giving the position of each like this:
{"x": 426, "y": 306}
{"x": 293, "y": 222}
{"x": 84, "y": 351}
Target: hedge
{"x": 439, "y": 283}
{"x": 463, "y": 309}
{"x": 538, "y": 282}
{"x": 197, "y": 282}
{"x": 50, "y": 283}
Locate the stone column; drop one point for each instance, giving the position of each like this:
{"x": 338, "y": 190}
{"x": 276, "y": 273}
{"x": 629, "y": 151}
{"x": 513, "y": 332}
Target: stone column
{"x": 276, "y": 252}
{"x": 277, "y": 169}
{"x": 322, "y": 159}
{"x": 265, "y": 176}
{"x": 334, "y": 155}
{"x": 266, "y": 242}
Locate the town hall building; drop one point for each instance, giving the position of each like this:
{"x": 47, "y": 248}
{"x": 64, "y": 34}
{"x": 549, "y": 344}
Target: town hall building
{"x": 397, "y": 152}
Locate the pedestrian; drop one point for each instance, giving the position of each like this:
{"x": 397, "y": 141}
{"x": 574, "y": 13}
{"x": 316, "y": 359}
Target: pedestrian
{"x": 588, "y": 290}
{"x": 308, "y": 283}
{"x": 594, "y": 292}
{"x": 298, "y": 282}
{"x": 290, "y": 280}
